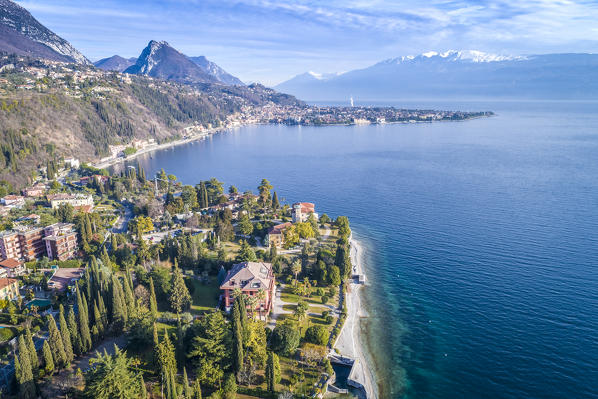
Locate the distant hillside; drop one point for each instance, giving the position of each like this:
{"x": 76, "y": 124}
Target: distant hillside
{"x": 115, "y": 63}
{"x": 215, "y": 71}
{"x": 160, "y": 60}
{"x": 22, "y": 34}
{"x": 49, "y": 110}
{"x": 457, "y": 74}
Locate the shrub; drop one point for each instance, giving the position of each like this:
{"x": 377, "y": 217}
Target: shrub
{"x": 329, "y": 319}
{"x": 324, "y": 299}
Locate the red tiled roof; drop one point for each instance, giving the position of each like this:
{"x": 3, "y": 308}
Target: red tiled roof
{"x": 10, "y": 263}
{"x": 5, "y": 282}
{"x": 278, "y": 229}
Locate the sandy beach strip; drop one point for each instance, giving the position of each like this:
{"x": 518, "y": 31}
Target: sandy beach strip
{"x": 350, "y": 343}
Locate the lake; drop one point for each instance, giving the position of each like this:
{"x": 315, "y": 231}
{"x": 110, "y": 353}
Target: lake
{"x": 481, "y": 238}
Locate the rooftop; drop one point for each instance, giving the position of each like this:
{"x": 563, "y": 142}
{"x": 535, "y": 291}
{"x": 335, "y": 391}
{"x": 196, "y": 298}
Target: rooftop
{"x": 249, "y": 275}
{"x": 10, "y": 263}
{"x": 5, "y": 282}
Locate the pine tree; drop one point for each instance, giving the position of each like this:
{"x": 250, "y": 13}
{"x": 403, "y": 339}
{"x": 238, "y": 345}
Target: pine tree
{"x": 237, "y": 338}
{"x": 153, "y": 302}
{"x": 187, "y": 392}
{"x": 142, "y": 388}
{"x": 48, "y": 361}
{"x": 179, "y": 294}
{"x": 66, "y": 336}
{"x": 118, "y": 310}
{"x": 275, "y": 203}
{"x": 196, "y": 389}
{"x": 34, "y": 360}
{"x": 56, "y": 343}
{"x": 83, "y": 319}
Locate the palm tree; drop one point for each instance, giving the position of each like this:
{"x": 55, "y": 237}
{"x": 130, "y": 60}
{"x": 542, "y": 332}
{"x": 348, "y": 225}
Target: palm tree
{"x": 251, "y": 301}
{"x": 296, "y": 268}
{"x": 301, "y": 310}
{"x": 260, "y": 297}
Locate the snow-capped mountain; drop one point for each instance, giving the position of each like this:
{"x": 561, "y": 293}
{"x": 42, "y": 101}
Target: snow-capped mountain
{"x": 457, "y": 74}
{"x": 22, "y": 34}
{"x": 217, "y": 72}
{"x": 455, "y": 56}
{"x": 160, "y": 60}
{"x": 115, "y": 63}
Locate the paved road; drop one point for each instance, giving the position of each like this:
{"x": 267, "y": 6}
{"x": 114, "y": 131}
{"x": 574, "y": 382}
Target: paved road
{"x": 122, "y": 224}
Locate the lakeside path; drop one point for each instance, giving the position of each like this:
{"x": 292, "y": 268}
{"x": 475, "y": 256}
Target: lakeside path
{"x": 350, "y": 342}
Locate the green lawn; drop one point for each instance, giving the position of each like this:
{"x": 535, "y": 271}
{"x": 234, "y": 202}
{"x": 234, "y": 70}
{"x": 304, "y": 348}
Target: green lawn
{"x": 205, "y": 296}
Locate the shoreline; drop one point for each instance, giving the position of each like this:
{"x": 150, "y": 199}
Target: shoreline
{"x": 214, "y": 131}
{"x": 350, "y": 341}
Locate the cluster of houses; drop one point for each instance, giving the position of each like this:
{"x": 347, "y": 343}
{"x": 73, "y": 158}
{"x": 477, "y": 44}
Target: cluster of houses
{"x": 256, "y": 279}
{"x": 300, "y": 212}
{"x": 58, "y": 241}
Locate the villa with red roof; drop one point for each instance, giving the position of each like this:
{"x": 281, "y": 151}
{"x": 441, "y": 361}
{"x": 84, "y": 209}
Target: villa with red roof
{"x": 276, "y": 234}
{"x": 301, "y": 211}
{"x": 250, "y": 278}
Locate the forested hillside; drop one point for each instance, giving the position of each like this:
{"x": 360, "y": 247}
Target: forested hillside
{"x": 50, "y": 110}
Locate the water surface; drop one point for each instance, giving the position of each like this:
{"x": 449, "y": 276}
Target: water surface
{"x": 481, "y": 238}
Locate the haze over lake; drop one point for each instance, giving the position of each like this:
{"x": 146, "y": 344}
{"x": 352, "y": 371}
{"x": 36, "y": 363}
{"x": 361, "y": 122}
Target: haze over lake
{"x": 481, "y": 237}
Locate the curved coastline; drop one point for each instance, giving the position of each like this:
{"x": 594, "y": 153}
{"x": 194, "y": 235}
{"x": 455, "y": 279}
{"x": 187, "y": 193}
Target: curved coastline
{"x": 351, "y": 342}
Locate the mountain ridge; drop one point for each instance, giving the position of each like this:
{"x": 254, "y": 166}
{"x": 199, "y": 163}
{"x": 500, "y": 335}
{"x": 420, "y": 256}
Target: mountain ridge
{"x": 457, "y": 74}
{"x": 22, "y": 34}
{"x": 160, "y": 60}
{"x": 115, "y": 63}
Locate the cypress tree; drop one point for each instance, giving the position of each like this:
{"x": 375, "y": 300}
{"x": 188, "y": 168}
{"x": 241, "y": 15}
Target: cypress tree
{"x": 128, "y": 295}
{"x": 113, "y": 243}
{"x": 118, "y": 311}
{"x": 270, "y": 373}
{"x": 88, "y": 229}
{"x": 275, "y": 203}
{"x": 153, "y": 302}
{"x": 56, "y": 343}
{"x": 98, "y": 318}
{"x": 173, "y": 390}
{"x": 123, "y": 301}
{"x": 179, "y": 294}
{"x": 142, "y": 388}
{"x": 103, "y": 314}
{"x": 105, "y": 258}
{"x": 23, "y": 371}
{"x": 34, "y": 360}
{"x": 83, "y": 319}
{"x": 48, "y": 361}
{"x": 66, "y": 336}
{"x": 187, "y": 393}
{"x": 237, "y": 339}
{"x": 196, "y": 389}
{"x": 74, "y": 331}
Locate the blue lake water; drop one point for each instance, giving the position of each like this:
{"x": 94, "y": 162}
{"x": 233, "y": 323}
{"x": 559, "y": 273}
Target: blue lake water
{"x": 481, "y": 238}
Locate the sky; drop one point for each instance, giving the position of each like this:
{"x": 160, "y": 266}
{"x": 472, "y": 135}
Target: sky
{"x": 269, "y": 41}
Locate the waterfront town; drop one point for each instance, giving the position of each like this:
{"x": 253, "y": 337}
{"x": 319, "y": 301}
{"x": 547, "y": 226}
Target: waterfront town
{"x": 238, "y": 292}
